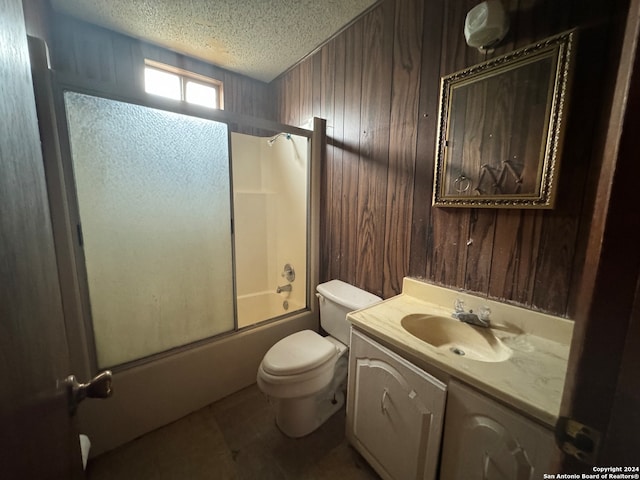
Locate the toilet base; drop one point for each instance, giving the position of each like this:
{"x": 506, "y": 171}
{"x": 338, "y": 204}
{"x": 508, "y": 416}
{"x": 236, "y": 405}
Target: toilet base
{"x": 301, "y": 416}
{"x": 297, "y": 417}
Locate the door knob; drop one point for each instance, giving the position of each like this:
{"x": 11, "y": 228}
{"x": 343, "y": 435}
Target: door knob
{"x": 98, "y": 387}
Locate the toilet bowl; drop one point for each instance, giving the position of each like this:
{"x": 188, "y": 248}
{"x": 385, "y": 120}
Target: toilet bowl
{"x": 305, "y": 373}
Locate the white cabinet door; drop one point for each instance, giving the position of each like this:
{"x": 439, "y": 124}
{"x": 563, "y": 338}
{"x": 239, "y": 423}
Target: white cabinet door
{"x": 485, "y": 440}
{"x": 394, "y": 411}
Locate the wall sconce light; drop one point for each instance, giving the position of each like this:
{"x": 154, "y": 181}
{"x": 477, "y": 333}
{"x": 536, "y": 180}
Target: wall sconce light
{"x": 486, "y": 25}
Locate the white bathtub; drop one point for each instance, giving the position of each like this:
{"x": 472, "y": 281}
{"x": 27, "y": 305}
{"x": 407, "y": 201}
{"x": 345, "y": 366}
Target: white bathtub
{"x": 257, "y": 307}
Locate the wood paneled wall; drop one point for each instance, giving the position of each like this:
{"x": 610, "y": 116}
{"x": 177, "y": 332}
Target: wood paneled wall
{"x": 377, "y": 84}
{"x": 112, "y": 63}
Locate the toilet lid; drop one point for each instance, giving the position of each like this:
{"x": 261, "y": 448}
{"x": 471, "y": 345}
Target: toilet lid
{"x": 298, "y": 353}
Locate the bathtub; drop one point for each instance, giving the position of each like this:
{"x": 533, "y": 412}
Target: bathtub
{"x": 257, "y": 307}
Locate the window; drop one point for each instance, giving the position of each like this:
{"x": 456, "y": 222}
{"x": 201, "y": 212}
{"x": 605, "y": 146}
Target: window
{"x": 177, "y": 84}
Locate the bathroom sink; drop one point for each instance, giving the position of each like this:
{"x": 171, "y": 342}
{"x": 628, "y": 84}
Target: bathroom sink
{"x": 456, "y": 338}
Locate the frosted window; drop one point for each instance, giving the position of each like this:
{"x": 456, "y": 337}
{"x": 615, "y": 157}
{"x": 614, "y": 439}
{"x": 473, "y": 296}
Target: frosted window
{"x": 154, "y": 197}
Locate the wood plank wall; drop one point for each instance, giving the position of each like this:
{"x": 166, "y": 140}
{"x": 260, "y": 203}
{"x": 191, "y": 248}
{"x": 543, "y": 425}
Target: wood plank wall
{"x": 377, "y": 84}
{"x": 111, "y": 63}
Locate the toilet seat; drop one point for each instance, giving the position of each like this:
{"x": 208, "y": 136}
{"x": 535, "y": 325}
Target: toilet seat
{"x": 298, "y": 353}
{"x": 297, "y": 366}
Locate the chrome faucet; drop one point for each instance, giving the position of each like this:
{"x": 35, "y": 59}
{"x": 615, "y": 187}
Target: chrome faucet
{"x": 285, "y": 288}
{"x": 480, "y": 320}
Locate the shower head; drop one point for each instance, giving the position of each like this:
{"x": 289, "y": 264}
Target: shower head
{"x": 273, "y": 139}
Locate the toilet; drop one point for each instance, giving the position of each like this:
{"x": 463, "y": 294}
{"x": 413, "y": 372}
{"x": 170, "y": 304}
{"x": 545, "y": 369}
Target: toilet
{"x": 305, "y": 373}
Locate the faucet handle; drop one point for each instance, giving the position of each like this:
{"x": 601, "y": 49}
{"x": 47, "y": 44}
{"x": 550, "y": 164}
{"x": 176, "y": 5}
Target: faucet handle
{"x": 288, "y": 273}
{"x": 484, "y": 314}
{"x": 459, "y": 305}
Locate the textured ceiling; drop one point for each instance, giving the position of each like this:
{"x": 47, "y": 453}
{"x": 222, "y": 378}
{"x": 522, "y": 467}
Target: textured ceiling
{"x": 257, "y": 38}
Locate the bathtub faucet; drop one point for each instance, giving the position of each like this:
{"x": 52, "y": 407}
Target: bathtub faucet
{"x": 285, "y": 288}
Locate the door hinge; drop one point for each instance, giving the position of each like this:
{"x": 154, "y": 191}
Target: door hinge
{"x": 577, "y": 440}
{"x": 80, "y": 236}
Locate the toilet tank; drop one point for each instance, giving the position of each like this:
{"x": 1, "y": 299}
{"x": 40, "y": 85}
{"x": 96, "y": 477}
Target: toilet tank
{"x": 338, "y": 298}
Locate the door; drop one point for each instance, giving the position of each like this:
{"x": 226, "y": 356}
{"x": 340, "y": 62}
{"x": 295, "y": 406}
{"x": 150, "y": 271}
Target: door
{"x": 37, "y": 438}
{"x": 486, "y": 440}
{"x": 153, "y": 201}
{"x": 602, "y": 391}
{"x": 394, "y": 412}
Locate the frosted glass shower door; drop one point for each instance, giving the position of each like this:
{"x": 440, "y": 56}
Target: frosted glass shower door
{"x": 153, "y": 190}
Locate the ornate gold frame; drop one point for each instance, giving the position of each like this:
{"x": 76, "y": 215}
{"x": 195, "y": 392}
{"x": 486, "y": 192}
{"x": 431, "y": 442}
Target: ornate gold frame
{"x": 500, "y": 128}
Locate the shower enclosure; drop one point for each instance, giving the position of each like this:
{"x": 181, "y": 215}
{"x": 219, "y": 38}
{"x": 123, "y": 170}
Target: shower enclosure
{"x": 186, "y": 231}
{"x": 270, "y": 191}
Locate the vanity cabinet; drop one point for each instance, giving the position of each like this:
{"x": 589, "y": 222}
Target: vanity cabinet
{"x": 394, "y": 411}
{"x": 485, "y": 440}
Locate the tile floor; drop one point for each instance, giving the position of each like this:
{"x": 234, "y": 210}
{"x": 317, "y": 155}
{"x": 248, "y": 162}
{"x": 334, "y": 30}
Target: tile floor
{"x": 234, "y": 438}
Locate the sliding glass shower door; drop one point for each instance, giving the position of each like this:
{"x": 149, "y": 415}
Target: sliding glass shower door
{"x": 153, "y": 192}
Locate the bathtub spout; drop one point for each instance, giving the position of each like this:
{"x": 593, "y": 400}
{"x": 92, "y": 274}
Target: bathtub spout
{"x": 285, "y": 288}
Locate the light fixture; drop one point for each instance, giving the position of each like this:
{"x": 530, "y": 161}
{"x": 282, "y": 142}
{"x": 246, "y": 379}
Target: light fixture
{"x": 486, "y": 25}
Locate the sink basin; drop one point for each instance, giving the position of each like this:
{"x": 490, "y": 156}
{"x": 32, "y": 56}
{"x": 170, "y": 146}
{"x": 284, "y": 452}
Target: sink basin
{"x": 456, "y": 338}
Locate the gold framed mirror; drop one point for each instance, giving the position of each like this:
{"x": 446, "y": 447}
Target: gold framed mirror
{"x": 500, "y": 128}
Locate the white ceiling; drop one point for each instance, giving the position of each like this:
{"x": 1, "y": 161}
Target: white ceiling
{"x": 257, "y": 38}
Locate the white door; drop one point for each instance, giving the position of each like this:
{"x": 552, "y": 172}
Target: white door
{"x": 394, "y": 413}
{"x": 37, "y": 437}
{"x": 486, "y": 440}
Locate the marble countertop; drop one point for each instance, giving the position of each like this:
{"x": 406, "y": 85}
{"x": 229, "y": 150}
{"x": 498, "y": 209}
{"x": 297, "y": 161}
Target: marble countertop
{"x": 531, "y": 379}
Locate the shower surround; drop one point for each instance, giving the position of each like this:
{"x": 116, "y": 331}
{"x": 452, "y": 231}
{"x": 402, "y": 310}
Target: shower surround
{"x": 270, "y": 195}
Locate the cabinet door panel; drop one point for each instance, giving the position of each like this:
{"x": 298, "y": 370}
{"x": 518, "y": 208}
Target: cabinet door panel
{"x": 485, "y": 440}
{"x": 395, "y": 412}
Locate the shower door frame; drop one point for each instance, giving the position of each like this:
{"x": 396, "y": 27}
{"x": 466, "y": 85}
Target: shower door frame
{"x": 233, "y": 121}
{"x": 165, "y": 386}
